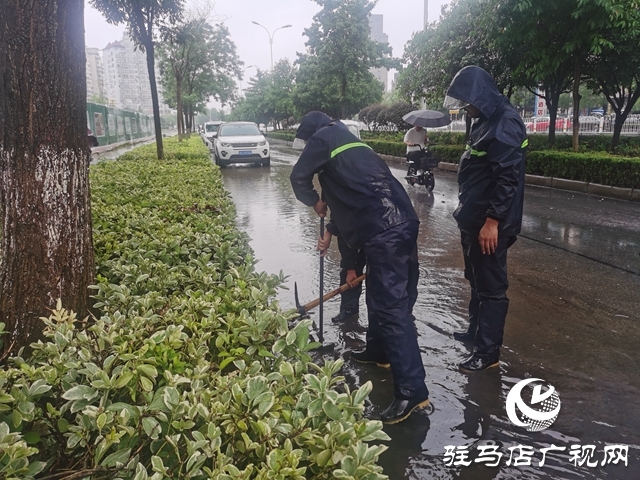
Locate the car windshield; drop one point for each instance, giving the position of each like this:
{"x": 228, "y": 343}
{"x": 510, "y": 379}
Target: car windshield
{"x": 212, "y": 128}
{"x": 238, "y": 130}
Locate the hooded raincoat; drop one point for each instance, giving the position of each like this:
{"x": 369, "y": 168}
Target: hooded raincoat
{"x": 371, "y": 211}
{"x": 491, "y": 185}
{"x": 491, "y": 171}
{"x": 364, "y": 197}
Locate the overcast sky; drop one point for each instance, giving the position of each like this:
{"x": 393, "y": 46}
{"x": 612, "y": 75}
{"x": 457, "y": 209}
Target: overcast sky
{"x": 401, "y": 19}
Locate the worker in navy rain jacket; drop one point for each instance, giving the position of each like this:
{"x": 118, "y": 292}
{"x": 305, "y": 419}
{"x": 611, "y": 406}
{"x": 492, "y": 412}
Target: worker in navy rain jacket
{"x": 372, "y": 212}
{"x": 489, "y": 214}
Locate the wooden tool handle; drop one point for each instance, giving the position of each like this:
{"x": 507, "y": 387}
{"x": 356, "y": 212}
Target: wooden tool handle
{"x": 333, "y": 293}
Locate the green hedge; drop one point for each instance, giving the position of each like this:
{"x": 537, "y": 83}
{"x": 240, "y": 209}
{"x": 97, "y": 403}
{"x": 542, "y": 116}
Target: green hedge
{"x": 382, "y": 147}
{"x": 289, "y": 137}
{"x": 629, "y": 145}
{"x": 587, "y": 167}
{"x": 190, "y": 368}
{"x": 439, "y": 137}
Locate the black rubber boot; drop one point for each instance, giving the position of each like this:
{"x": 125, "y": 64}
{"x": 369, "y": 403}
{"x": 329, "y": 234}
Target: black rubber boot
{"x": 400, "y": 409}
{"x": 344, "y": 315}
{"x": 366, "y": 357}
{"x": 480, "y": 361}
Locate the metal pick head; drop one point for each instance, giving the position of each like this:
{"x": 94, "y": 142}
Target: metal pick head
{"x": 299, "y": 307}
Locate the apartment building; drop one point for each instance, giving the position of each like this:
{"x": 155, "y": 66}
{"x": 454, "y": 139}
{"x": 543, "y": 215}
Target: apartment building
{"x": 95, "y": 73}
{"x": 377, "y": 34}
{"x": 126, "y": 78}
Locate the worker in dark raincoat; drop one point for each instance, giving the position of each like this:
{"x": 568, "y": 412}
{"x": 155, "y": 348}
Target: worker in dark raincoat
{"x": 372, "y": 212}
{"x": 489, "y": 214}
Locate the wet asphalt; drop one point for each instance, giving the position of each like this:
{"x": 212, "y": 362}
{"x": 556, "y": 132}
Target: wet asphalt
{"x": 573, "y": 322}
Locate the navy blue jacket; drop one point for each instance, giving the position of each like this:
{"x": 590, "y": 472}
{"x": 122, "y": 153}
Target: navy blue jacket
{"x": 364, "y": 197}
{"x": 491, "y": 171}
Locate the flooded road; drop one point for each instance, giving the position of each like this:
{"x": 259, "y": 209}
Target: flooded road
{"x": 573, "y": 322}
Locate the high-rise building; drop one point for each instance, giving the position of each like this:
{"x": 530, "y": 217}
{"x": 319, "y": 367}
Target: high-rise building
{"x": 95, "y": 73}
{"x": 127, "y": 78}
{"x": 426, "y": 14}
{"x": 378, "y": 35}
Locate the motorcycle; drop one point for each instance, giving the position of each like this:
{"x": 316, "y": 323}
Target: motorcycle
{"x": 419, "y": 165}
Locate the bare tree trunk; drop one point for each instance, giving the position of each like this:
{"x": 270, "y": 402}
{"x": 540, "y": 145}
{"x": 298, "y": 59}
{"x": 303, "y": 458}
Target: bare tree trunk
{"x": 150, "y": 50}
{"x": 553, "y": 98}
{"x": 576, "y": 105}
{"x": 179, "y": 112}
{"x": 46, "y": 250}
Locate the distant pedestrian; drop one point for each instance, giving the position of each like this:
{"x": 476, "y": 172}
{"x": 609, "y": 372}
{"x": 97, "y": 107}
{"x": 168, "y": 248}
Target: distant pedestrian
{"x": 489, "y": 214}
{"x": 92, "y": 141}
{"x": 372, "y": 212}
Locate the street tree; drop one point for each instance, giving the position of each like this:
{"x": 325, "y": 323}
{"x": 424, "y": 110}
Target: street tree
{"x": 541, "y": 63}
{"x": 615, "y": 73}
{"x": 280, "y": 91}
{"x": 462, "y": 37}
{"x": 143, "y": 19}
{"x": 315, "y": 90}
{"x": 198, "y": 61}
{"x": 584, "y": 28}
{"x": 255, "y": 107}
{"x": 335, "y": 73}
{"x": 394, "y": 112}
{"x": 46, "y": 250}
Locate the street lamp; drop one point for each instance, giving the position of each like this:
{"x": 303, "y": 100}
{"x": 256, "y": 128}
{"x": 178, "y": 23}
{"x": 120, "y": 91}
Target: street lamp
{"x": 270, "y": 37}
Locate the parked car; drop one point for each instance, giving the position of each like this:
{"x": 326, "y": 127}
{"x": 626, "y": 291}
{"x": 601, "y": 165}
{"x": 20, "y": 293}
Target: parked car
{"x": 209, "y": 133}
{"x": 241, "y": 142}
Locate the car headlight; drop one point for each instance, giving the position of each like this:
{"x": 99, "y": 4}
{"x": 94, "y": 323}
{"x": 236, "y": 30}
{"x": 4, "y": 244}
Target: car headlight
{"x": 223, "y": 144}
{"x": 262, "y": 144}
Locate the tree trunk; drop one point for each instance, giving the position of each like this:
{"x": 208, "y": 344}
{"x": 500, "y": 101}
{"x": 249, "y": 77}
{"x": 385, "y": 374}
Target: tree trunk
{"x": 553, "y": 98}
{"x": 150, "y": 50}
{"x": 576, "y": 104}
{"x": 179, "y": 112}
{"x": 46, "y": 249}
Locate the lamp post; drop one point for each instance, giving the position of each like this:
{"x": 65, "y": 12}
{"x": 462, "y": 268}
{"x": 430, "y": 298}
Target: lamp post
{"x": 270, "y": 37}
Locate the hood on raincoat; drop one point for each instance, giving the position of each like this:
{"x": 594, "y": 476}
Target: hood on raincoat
{"x": 311, "y": 123}
{"x": 474, "y": 86}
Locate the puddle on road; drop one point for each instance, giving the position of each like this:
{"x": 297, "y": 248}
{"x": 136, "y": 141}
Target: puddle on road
{"x": 469, "y": 410}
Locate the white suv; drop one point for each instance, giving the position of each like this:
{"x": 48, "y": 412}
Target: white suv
{"x": 241, "y": 142}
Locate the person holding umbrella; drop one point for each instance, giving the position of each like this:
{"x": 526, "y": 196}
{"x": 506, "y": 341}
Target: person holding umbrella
{"x": 415, "y": 138}
{"x": 372, "y": 212}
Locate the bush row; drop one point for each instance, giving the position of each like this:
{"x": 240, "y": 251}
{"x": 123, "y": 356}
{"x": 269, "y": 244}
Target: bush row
{"x": 629, "y": 145}
{"x": 595, "y": 167}
{"x": 587, "y": 167}
{"x": 288, "y": 136}
{"x": 189, "y": 368}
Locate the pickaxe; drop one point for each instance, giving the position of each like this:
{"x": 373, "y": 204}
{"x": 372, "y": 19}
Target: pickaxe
{"x": 303, "y": 309}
